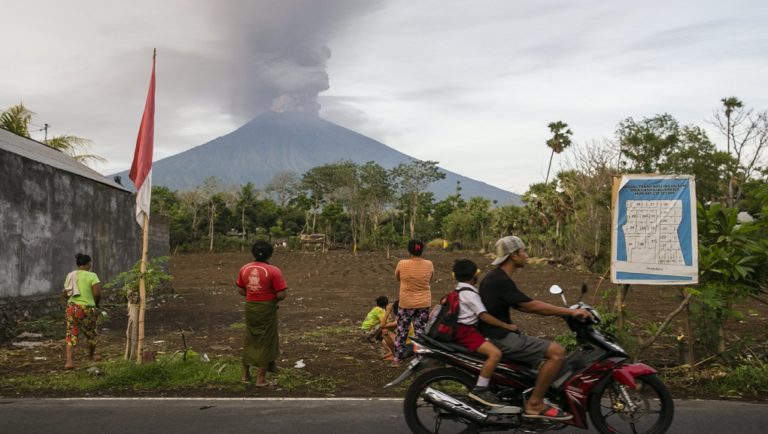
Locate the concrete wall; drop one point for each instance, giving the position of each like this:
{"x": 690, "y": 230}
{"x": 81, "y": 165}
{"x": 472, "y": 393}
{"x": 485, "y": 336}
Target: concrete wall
{"x": 47, "y": 215}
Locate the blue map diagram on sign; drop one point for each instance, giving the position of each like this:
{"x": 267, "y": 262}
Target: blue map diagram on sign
{"x": 650, "y": 232}
{"x": 655, "y": 236}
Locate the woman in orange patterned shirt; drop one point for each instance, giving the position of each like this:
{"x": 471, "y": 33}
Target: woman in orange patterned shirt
{"x": 414, "y": 274}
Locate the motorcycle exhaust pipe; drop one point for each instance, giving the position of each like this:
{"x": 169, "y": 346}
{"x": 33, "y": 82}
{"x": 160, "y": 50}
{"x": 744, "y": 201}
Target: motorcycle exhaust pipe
{"x": 453, "y": 405}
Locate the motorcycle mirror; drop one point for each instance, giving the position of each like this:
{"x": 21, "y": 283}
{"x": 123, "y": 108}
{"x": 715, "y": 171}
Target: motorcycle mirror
{"x": 554, "y": 289}
{"x": 583, "y": 290}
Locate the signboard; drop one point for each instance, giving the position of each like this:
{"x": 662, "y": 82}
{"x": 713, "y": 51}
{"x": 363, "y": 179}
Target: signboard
{"x": 654, "y": 239}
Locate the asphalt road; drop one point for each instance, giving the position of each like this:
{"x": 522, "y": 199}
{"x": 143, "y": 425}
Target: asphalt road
{"x": 331, "y": 416}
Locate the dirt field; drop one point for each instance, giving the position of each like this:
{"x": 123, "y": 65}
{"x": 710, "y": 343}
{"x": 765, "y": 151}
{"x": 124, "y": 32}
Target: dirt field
{"x": 329, "y": 296}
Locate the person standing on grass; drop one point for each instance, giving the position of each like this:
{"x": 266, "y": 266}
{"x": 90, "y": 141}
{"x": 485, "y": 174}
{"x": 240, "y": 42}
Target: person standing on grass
{"x": 82, "y": 292}
{"x": 414, "y": 275}
{"x": 264, "y": 287}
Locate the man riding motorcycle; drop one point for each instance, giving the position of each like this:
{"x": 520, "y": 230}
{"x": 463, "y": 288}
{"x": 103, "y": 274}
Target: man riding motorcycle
{"x": 499, "y": 293}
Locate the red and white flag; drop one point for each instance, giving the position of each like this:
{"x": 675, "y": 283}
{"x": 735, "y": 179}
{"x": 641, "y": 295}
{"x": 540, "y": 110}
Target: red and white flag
{"x": 141, "y": 169}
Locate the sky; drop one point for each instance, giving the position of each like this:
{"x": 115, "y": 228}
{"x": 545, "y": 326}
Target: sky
{"x": 472, "y": 85}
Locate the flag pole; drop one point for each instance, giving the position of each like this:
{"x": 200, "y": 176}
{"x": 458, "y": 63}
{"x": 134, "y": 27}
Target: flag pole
{"x": 142, "y": 289}
{"x": 141, "y": 174}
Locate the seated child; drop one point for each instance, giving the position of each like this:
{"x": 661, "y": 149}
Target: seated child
{"x": 373, "y": 321}
{"x": 470, "y": 310}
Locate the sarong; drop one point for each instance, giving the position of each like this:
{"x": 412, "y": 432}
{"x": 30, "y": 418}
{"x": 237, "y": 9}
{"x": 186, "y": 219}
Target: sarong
{"x": 81, "y": 319}
{"x": 262, "y": 342}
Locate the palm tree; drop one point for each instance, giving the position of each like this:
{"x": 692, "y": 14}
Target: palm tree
{"x": 16, "y": 120}
{"x": 72, "y": 146}
{"x": 561, "y": 139}
{"x": 730, "y": 104}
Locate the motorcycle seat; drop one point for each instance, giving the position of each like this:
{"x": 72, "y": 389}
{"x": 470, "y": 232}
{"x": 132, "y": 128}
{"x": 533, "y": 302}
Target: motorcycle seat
{"x": 454, "y": 347}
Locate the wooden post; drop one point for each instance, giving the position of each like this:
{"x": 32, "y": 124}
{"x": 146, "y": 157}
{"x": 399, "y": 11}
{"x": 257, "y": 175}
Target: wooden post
{"x": 142, "y": 289}
{"x": 620, "y": 299}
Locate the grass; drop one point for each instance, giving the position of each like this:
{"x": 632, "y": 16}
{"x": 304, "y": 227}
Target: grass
{"x": 168, "y": 373}
{"x": 238, "y": 326}
{"x": 329, "y": 331}
{"x": 51, "y": 327}
{"x": 745, "y": 380}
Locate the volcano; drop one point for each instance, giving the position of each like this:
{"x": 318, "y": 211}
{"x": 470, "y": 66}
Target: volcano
{"x": 294, "y": 141}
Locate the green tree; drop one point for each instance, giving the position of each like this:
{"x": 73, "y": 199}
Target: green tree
{"x": 411, "y": 180}
{"x": 732, "y": 260}
{"x": 74, "y": 147}
{"x": 561, "y": 139}
{"x": 376, "y": 193}
{"x": 208, "y": 189}
{"x": 164, "y": 200}
{"x": 284, "y": 186}
{"x": 660, "y": 145}
{"x": 746, "y": 132}
{"x": 16, "y": 119}
{"x": 319, "y": 182}
{"x": 729, "y": 105}
{"x": 246, "y": 198}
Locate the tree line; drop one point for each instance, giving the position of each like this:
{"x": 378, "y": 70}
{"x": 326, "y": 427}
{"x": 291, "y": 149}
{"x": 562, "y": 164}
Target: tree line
{"x": 566, "y": 218}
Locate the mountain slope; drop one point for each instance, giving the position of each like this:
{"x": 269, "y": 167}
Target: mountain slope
{"x": 293, "y": 141}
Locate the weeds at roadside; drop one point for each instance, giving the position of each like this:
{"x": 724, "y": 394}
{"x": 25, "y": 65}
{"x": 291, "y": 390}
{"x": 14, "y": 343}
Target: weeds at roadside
{"x": 168, "y": 373}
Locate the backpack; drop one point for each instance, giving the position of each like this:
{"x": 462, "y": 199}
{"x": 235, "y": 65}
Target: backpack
{"x": 445, "y": 317}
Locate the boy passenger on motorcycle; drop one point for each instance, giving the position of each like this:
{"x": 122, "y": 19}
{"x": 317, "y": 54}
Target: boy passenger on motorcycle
{"x": 470, "y": 310}
{"x": 499, "y": 293}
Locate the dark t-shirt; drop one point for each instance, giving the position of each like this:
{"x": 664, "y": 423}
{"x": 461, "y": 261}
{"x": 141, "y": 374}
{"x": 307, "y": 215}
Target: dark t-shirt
{"x": 499, "y": 293}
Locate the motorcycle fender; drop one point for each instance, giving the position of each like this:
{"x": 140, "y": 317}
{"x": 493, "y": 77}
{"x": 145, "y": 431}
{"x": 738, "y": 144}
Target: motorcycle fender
{"x": 627, "y": 373}
{"x": 415, "y": 366}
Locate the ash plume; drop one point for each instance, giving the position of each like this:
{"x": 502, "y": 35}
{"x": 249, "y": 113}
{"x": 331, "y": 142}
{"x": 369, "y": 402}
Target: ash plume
{"x": 278, "y": 50}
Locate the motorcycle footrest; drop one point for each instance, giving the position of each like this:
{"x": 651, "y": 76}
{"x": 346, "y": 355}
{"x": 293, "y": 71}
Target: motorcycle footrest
{"x": 507, "y": 409}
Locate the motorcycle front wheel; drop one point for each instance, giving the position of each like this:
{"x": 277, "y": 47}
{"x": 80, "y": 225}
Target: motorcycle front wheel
{"x": 649, "y": 411}
{"x": 423, "y": 417}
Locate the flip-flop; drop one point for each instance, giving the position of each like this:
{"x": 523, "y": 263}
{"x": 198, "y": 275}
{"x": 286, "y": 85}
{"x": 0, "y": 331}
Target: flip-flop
{"x": 550, "y": 412}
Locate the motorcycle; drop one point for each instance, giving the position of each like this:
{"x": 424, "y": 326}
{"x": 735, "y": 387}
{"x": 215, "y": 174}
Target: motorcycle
{"x": 596, "y": 379}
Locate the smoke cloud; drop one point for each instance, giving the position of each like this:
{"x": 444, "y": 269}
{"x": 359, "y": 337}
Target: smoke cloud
{"x": 276, "y": 50}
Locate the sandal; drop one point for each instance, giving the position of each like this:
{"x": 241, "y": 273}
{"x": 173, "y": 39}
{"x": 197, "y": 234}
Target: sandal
{"x": 550, "y": 412}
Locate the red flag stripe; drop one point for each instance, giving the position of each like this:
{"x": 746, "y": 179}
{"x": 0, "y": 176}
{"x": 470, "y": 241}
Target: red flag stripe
{"x": 142, "y": 157}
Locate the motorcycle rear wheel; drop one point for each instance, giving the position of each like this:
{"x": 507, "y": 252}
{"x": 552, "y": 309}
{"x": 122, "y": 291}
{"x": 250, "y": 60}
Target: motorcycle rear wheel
{"x": 654, "y": 411}
{"x": 423, "y": 417}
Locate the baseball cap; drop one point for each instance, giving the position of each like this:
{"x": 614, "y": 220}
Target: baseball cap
{"x": 505, "y": 247}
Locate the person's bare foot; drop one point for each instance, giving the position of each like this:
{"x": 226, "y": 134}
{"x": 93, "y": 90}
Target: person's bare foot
{"x": 70, "y": 366}
{"x": 95, "y": 358}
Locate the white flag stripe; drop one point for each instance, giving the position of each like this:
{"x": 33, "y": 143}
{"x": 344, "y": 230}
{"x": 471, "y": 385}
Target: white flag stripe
{"x": 143, "y": 199}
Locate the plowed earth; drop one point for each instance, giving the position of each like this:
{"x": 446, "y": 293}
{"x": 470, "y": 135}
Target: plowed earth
{"x": 328, "y": 298}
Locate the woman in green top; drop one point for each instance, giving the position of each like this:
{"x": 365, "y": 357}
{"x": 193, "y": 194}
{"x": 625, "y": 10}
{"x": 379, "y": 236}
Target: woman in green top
{"x": 83, "y": 292}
